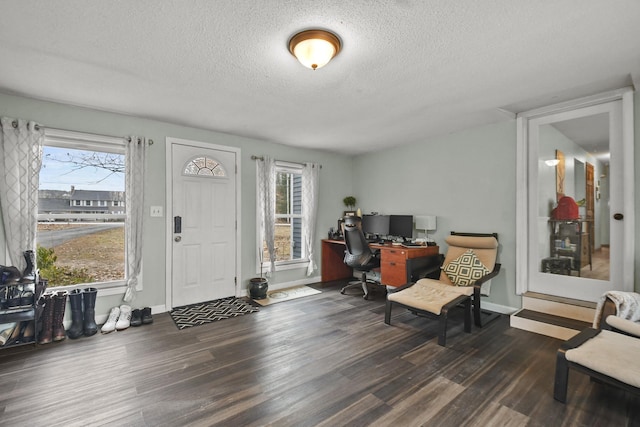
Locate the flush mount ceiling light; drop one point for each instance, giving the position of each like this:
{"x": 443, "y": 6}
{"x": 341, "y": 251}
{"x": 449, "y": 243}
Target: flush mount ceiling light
{"x": 314, "y": 48}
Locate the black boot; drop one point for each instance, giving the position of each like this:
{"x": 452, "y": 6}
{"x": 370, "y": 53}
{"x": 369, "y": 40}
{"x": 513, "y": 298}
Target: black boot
{"x": 29, "y": 273}
{"x": 75, "y": 302}
{"x": 44, "y": 314}
{"x": 41, "y": 286}
{"x": 89, "y": 298}
{"x": 59, "y": 305}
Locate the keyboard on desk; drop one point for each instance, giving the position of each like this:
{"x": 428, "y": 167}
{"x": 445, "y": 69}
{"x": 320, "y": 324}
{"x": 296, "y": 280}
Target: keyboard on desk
{"x": 410, "y": 244}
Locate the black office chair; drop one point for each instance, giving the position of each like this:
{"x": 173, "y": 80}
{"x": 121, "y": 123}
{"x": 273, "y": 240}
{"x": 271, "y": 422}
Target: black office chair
{"x": 358, "y": 255}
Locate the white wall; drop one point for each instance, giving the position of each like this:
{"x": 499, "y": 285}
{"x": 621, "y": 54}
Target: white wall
{"x": 466, "y": 179}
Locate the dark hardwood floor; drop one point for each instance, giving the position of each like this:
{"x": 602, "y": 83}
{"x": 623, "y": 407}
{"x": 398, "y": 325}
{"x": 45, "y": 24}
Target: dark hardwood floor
{"x": 326, "y": 360}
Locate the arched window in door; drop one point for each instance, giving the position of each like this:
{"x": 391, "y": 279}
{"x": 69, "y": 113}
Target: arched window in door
{"x": 204, "y": 166}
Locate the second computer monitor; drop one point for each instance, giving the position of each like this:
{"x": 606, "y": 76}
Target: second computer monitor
{"x": 375, "y": 224}
{"x": 401, "y": 226}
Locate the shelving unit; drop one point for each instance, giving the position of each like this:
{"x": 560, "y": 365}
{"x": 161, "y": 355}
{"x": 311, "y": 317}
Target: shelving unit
{"x": 18, "y": 316}
{"x": 570, "y": 249}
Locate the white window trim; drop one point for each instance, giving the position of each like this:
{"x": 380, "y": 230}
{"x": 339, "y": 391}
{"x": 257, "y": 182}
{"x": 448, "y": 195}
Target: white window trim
{"x": 295, "y": 264}
{"x": 87, "y": 141}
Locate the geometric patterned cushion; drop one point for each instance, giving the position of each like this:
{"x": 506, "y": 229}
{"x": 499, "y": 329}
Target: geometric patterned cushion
{"x": 466, "y": 269}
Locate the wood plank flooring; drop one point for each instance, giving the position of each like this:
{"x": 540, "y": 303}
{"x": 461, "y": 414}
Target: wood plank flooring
{"x": 322, "y": 360}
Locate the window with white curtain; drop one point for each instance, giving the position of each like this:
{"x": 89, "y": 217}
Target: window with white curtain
{"x": 289, "y": 248}
{"x": 78, "y": 241}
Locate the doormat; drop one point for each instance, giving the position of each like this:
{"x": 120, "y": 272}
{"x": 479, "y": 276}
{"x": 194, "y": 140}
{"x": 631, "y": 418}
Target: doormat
{"x": 210, "y": 311}
{"x": 287, "y": 294}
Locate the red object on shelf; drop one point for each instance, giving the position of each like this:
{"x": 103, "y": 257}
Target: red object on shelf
{"x": 567, "y": 209}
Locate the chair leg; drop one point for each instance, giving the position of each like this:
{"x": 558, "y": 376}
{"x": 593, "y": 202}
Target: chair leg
{"x": 562, "y": 377}
{"x": 467, "y": 315}
{"x": 477, "y": 314}
{"x": 387, "y": 313}
{"x": 365, "y": 288}
{"x": 442, "y": 335}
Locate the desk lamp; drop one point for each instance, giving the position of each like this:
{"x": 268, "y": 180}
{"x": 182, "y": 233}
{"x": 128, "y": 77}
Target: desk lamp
{"x": 426, "y": 223}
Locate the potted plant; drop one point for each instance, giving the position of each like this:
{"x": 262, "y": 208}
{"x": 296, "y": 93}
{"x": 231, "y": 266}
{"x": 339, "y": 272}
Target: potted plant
{"x": 349, "y": 202}
{"x": 258, "y": 286}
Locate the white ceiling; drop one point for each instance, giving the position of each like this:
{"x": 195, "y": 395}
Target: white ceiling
{"x": 409, "y": 69}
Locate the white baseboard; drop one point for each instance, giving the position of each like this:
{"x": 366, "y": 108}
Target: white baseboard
{"x": 498, "y": 308}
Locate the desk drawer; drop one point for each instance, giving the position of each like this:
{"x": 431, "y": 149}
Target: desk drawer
{"x": 393, "y": 273}
{"x": 395, "y": 255}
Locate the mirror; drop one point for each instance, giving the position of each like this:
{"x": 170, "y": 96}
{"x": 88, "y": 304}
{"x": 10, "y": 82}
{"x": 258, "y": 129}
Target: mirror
{"x": 573, "y": 195}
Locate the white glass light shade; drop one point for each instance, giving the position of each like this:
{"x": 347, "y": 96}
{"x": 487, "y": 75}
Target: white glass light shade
{"x": 425, "y": 222}
{"x": 314, "y": 48}
{"x": 552, "y": 162}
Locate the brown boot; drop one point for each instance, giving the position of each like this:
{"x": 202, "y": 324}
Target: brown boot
{"x": 59, "y": 304}
{"x": 44, "y": 315}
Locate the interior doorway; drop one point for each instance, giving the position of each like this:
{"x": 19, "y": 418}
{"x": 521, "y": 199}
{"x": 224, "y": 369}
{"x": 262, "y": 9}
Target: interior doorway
{"x": 580, "y": 153}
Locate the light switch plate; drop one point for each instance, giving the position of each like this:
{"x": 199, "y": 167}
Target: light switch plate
{"x": 156, "y": 211}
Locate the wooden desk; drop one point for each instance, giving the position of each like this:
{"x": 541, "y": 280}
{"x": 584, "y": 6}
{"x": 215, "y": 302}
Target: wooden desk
{"x": 393, "y": 261}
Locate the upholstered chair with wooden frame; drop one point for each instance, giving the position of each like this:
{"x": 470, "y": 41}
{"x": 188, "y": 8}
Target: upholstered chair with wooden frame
{"x": 607, "y": 356}
{"x": 470, "y": 262}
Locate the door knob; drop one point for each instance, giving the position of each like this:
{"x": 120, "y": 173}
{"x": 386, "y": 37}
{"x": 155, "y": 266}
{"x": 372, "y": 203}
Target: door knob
{"x": 177, "y": 238}
{"x": 618, "y": 216}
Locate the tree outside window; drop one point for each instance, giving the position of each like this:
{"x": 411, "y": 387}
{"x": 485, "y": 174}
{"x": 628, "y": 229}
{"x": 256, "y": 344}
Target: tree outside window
{"x": 79, "y": 241}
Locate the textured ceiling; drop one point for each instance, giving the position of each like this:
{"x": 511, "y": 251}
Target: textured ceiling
{"x": 409, "y": 70}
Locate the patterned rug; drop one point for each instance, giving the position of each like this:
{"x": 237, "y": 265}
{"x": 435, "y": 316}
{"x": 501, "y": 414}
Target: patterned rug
{"x": 280, "y": 295}
{"x": 210, "y": 311}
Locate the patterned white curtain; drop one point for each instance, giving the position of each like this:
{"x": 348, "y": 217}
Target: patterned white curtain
{"x": 266, "y": 173}
{"x": 310, "y": 180}
{"x": 21, "y": 159}
{"x": 136, "y": 149}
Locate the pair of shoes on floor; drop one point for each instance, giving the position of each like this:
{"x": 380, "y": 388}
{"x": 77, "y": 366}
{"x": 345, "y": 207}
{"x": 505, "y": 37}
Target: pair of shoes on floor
{"x": 119, "y": 319}
{"x": 141, "y": 317}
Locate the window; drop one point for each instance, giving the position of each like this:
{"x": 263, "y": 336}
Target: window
{"x": 204, "y": 166}
{"x": 79, "y": 241}
{"x": 289, "y": 249}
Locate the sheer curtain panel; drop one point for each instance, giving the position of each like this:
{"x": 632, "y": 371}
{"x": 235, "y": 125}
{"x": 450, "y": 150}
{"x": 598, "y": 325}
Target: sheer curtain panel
{"x": 21, "y": 159}
{"x": 136, "y": 149}
{"x": 266, "y": 174}
{"x": 310, "y": 179}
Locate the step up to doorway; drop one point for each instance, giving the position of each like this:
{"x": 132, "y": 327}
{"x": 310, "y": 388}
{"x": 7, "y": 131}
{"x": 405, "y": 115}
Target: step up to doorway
{"x": 553, "y": 316}
{"x": 547, "y": 324}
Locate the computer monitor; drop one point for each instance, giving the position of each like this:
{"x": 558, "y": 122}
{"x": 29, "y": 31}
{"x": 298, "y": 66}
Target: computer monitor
{"x": 401, "y": 226}
{"x": 375, "y": 224}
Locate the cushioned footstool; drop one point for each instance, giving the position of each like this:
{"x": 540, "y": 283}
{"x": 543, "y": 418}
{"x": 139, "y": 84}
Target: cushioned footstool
{"x": 608, "y": 356}
{"x": 428, "y": 296}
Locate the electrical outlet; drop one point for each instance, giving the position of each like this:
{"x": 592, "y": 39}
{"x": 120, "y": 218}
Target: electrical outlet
{"x": 156, "y": 211}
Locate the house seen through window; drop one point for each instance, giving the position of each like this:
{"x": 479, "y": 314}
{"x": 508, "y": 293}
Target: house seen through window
{"x": 81, "y": 213}
{"x": 288, "y": 218}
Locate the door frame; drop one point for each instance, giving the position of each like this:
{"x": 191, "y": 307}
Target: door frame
{"x": 170, "y": 142}
{"x": 522, "y": 180}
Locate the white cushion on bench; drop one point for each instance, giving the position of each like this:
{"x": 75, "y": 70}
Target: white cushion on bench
{"x": 611, "y": 354}
{"x": 429, "y": 295}
{"x": 625, "y": 325}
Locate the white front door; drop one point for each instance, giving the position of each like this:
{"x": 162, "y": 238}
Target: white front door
{"x": 203, "y": 223}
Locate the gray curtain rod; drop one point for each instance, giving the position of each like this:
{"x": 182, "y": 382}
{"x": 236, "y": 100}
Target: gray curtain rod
{"x": 254, "y": 157}
{"x": 38, "y": 127}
